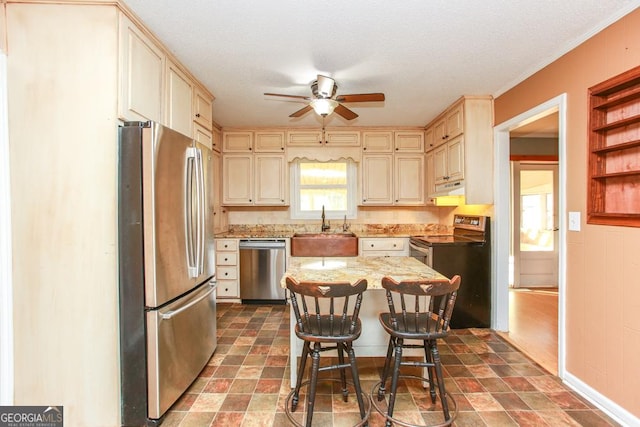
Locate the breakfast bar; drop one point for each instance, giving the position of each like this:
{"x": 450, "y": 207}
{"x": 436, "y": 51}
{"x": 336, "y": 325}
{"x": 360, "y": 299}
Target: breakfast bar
{"x": 373, "y": 341}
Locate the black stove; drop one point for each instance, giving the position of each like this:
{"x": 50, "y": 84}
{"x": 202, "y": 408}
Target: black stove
{"x": 466, "y": 252}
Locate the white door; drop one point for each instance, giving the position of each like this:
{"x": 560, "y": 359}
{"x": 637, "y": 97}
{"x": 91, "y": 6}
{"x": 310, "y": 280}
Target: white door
{"x": 535, "y": 224}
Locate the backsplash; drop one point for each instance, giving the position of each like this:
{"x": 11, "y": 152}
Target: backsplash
{"x": 369, "y": 229}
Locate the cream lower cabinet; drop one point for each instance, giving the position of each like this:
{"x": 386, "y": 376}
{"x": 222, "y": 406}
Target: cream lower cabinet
{"x": 393, "y": 180}
{"x": 227, "y": 273}
{"x": 384, "y": 246}
{"x": 259, "y": 179}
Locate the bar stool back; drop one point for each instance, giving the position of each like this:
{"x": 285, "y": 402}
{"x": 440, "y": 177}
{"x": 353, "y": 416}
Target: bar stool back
{"x": 425, "y": 310}
{"x": 334, "y": 321}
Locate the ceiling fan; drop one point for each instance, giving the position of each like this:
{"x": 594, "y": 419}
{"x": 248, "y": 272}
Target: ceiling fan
{"x": 324, "y": 100}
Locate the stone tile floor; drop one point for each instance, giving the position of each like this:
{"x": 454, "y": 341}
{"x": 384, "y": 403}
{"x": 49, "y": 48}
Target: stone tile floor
{"x": 246, "y": 382}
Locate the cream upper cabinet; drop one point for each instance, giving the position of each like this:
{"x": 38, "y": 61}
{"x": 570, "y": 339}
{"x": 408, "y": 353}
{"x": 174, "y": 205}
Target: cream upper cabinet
{"x": 179, "y": 92}
{"x": 377, "y": 179}
{"x": 141, "y": 74}
{"x": 202, "y": 108}
{"x": 271, "y": 180}
{"x": 409, "y": 142}
{"x": 377, "y": 142}
{"x": 430, "y": 181}
{"x": 310, "y": 138}
{"x": 409, "y": 179}
{"x": 463, "y": 149}
{"x": 342, "y": 138}
{"x": 203, "y": 136}
{"x": 237, "y": 179}
{"x": 269, "y": 142}
{"x": 296, "y": 138}
{"x": 237, "y": 141}
{"x": 255, "y": 179}
{"x": 216, "y": 139}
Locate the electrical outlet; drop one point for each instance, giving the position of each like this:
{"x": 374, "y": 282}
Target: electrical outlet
{"x": 574, "y": 221}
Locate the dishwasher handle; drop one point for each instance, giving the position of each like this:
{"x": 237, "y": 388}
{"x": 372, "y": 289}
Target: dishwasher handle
{"x": 262, "y": 244}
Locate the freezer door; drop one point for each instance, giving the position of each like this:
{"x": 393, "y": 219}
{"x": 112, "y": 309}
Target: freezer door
{"x": 181, "y": 337}
{"x": 168, "y": 163}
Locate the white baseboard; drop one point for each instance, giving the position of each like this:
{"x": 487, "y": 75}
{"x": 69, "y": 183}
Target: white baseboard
{"x": 609, "y": 407}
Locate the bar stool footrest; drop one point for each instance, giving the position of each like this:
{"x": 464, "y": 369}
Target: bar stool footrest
{"x": 453, "y": 411}
{"x": 365, "y": 398}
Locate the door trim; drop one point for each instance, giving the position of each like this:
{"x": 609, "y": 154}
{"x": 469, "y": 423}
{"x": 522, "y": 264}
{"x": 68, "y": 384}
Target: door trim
{"x": 6, "y": 283}
{"x": 502, "y": 221}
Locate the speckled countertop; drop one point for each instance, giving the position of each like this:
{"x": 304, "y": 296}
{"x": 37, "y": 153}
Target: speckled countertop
{"x": 261, "y": 231}
{"x": 350, "y": 269}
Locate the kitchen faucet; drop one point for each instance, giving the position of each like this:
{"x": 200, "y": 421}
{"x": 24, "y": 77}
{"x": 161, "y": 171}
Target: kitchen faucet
{"x": 345, "y": 226}
{"x": 327, "y": 226}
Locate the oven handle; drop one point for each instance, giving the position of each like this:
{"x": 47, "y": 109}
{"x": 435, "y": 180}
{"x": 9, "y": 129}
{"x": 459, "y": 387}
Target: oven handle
{"x": 419, "y": 249}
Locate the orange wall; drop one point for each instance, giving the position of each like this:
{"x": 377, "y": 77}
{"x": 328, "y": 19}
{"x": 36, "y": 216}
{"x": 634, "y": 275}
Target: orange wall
{"x": 603, "y": 263}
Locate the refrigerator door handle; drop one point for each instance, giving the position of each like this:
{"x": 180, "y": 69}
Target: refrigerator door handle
{"x": 169, "y": 314}
{"x": 192, "y": 257}
{"x": 201, "y": 211}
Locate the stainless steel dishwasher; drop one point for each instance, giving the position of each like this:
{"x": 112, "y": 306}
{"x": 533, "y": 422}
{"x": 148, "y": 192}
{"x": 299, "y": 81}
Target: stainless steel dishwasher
{"x": 262, "y": 265}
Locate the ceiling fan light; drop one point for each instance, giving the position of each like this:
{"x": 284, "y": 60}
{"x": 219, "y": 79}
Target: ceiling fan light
{"x": 324, "y": 106}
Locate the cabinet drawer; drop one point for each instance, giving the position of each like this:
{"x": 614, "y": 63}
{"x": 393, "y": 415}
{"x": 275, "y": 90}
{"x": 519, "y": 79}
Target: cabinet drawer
{"x": 378, "y": 244}
{"x": 227, "y": 258}
{"x": 227, "y": 289}
{"x": 227, "y": 245}
{"x": 228, "y": 273}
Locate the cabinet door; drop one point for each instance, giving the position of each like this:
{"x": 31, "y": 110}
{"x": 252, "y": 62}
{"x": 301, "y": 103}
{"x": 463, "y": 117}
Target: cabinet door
{"x": 455, "y": 121}
{"x": 237, "y": 179}
{"x": 202, "y": 135}
{"x": 429, "y": 138}
{"x": 179, "y": 101}
{"x": 430, "y": 179}
{"x": 202, "y": 108}
{"x": 440, "y": 132}
{"x": 216, "y": 139}
{"x": 237, "y": 142}
{"x": 270, "y": 179}
{"x": 377, "y": 178}
{"x": 304, "y": 138}
{"x": 409, "y": 179}
{"x": 343, "y": 138}
{"x": 217, "y": 192}
{"x": 377, "y": 142}
{"x": 409, "y": 142}
{"x": 440, "y": 165}
{"x": 141, "y": 77}
{"x": 269, "y": 142}
{"x": 455, "y": 159}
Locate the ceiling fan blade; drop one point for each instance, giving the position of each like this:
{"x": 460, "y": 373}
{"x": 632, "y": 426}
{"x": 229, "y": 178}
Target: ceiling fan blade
{"x": 301, "y": 111}
{"x": 361, "y": 97}
{"x": 345, "y": 112}
{"x": 306, "y": 98}
{"x": 325, "y": 86}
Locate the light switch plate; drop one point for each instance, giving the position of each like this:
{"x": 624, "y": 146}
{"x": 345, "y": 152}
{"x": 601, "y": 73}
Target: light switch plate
{"x": 574, "y": 221}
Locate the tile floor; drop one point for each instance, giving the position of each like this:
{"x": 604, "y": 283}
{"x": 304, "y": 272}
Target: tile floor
{"x": 247, "y": 380}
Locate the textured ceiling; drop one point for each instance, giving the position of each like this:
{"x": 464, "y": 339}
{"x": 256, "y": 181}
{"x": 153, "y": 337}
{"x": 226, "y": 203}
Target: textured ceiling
{"x": 422, "y": 54}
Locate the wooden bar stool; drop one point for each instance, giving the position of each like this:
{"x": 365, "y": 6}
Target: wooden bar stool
{"x": 318, "y": 323}
{"x": 424, "y": 314}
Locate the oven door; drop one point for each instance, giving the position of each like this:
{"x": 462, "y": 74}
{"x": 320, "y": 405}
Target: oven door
{"x": 422, "y": 254}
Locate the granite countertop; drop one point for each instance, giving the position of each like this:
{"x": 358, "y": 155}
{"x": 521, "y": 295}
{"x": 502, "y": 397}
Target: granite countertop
{"x": 283, "y": 231}
{"x": 350, "y": 269}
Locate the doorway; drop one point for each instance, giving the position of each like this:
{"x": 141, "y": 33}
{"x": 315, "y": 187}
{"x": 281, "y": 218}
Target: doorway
{"x": 504, "y": 221}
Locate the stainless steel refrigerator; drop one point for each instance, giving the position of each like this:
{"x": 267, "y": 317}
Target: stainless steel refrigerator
{"x": 167, "y": 289}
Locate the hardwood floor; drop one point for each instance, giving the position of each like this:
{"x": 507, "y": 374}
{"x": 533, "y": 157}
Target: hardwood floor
{"x": 533, "y": 325}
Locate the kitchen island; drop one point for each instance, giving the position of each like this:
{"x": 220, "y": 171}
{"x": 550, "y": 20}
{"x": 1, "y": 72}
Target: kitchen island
{"x": 374, "y": 340}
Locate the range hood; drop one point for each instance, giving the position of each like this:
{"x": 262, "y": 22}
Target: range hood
{"x": 450, "y": 189}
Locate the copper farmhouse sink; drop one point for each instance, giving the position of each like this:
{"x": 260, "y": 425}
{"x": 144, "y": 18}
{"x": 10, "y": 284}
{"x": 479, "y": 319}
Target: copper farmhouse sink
{"x": 324, "y": 244}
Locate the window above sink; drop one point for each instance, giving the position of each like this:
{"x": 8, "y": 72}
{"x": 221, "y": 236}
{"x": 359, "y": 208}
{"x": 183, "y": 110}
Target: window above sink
{"x": 330, "y": 184}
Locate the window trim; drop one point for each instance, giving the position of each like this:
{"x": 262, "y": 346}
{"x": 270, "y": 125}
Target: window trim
{"x": 352, "y": 189}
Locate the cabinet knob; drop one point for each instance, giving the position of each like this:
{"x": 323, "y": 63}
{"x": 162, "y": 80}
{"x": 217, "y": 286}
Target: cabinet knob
{"x": 396, "y": 200}
{"x": 444, "y": 136}
{"x": 372, "y": 245}
{"x": 226, "y": 246}
{"x": 394, "y": 245}
{"x": 226, "y": 289}
{"x": 396, "y": 148}
{"x": 226, "y": 274}
{"x": 226, "y": 259}
{"x": 282, "y": 148}
{"x": 364, "y": 148}
{"x": 197, "y": 114}
{"x": 282, "y": 200}
{"x": 250, "y": 148}
{"x": 320, "y": 142}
